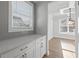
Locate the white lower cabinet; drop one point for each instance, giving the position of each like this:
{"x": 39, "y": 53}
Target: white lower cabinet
{"x": 43, "y": 47}
{"x": 40, "y": 47}
{"x": 35, "y": 49}
{"x": 23, "y": 51}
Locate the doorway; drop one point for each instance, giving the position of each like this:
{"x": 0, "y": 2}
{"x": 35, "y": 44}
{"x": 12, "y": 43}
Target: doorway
{"x": 62, "y": 41}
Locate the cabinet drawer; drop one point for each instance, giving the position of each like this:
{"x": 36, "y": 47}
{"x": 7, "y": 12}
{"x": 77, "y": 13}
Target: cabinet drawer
{"x": 26, "y": 54}
{"x": 43, "y": 41}
{"x": 17, "y": 51}
{"x": 27, "y": 46}
{"x": 43, "y": 49}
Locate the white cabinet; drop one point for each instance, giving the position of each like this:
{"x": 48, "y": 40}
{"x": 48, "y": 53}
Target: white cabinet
{"x": 43, "y": 46}
{"x": 26, "y": 54}
{"x": 40, "y": 47}
{"x": 24, "y": 51}
{"x": 34, "y": 49}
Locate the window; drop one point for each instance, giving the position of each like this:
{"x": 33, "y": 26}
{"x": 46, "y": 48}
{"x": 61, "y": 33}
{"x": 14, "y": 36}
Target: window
{"x": 21, "y": 16}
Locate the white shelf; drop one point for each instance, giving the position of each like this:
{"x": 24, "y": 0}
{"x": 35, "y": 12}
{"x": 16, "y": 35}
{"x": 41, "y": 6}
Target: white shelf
{"x": 66, "y": 29}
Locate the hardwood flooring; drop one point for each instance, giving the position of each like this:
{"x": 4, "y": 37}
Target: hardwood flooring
{"x": 61, "y": 48}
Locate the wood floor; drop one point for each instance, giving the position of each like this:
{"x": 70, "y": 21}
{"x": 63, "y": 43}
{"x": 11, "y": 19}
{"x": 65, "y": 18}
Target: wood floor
{"x": 61, "y": 48}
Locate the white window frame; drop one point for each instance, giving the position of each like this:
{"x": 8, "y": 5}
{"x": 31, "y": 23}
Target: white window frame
{"x": 10, "y": 28}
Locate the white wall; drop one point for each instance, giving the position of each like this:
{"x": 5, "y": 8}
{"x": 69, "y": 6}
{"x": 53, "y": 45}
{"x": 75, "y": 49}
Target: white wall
{"x": 50, "y": 23}
{"x": 50, "y": 26}
{"x": 41, "y": 18}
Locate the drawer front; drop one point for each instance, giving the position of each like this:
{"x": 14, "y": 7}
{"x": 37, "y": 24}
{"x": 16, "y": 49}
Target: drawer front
{"x": 26, "y": 54}
{"x": 21, "y": 55}
{"x": 17, "y": 51}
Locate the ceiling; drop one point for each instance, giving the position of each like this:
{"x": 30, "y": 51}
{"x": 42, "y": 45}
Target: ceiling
{"x": 56, "y": 6}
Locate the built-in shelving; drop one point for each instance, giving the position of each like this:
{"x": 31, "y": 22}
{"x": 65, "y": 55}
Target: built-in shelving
{"x": 66, "y": 27}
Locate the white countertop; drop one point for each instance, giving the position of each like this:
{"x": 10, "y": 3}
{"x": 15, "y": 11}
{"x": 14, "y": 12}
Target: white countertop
{"x": 13, "y": 43}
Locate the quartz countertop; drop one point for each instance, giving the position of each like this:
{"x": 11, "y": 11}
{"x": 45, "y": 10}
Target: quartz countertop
{"x": 15, "y": 42}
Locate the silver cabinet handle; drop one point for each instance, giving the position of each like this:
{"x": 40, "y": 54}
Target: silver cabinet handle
{"x": 41, "y": 44}
{"x": 23, "y": 56}
{"x": 23, "y": 48}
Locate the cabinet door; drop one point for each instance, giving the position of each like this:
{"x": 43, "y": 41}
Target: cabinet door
{"x": 43, "y": 47}
{"x": 30, "y": 53}
{"x": 38, "y": 48}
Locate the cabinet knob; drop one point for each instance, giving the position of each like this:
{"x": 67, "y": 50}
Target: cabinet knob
{"x": 41, "y": 42}
{"x": 21, "y": 49}
{"x": 23, "y": 56}
{"x": 26, "y": 47}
